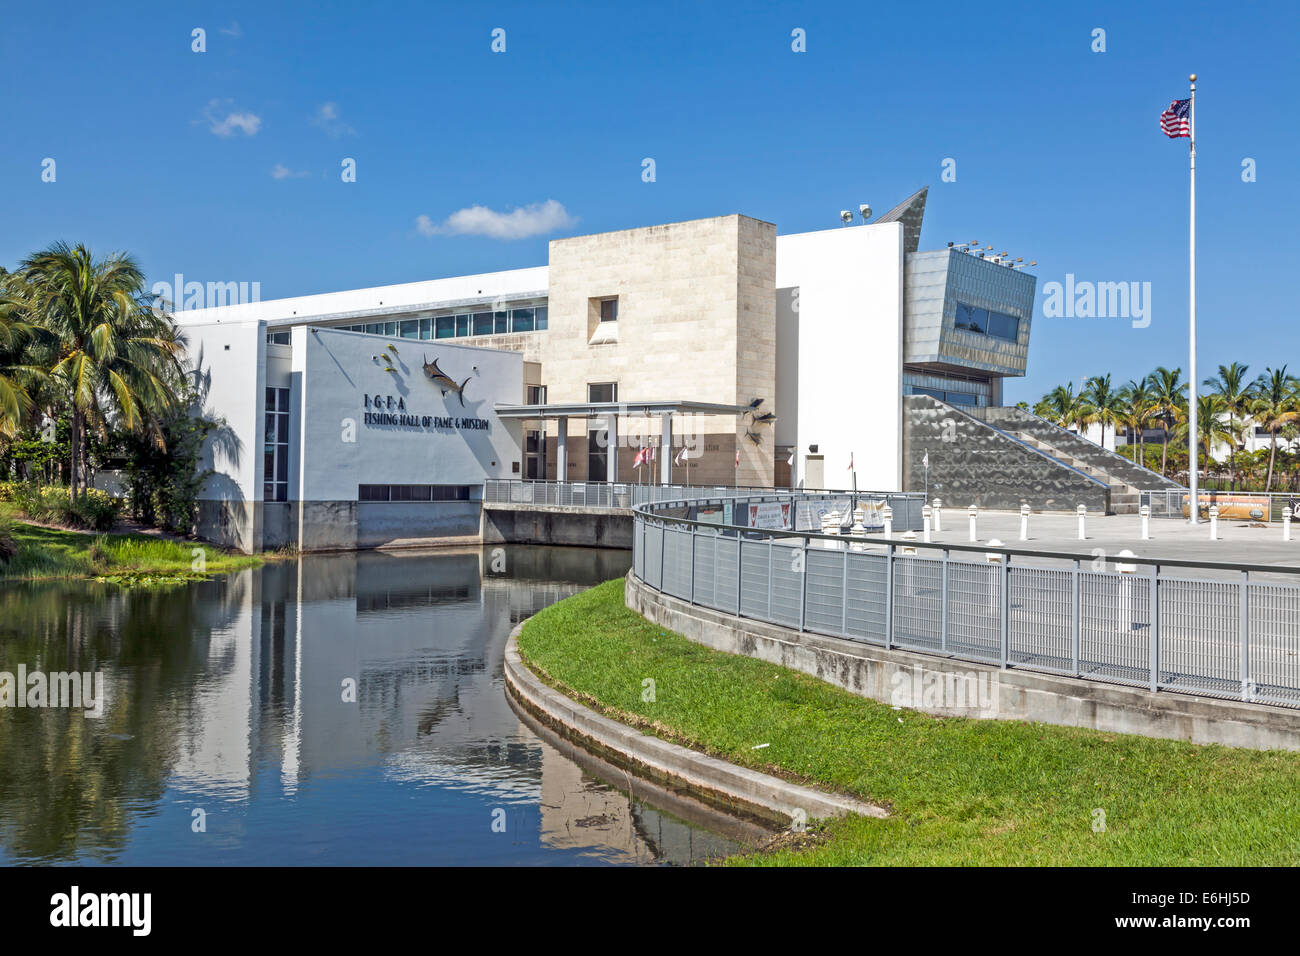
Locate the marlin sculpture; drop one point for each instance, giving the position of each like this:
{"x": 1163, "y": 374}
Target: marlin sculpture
{"x": 444, "y": 381}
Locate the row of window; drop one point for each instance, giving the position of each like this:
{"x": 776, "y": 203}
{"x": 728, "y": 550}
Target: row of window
{"x": 987, "y": 322}
{"x": 945, "y": 395}
{"x": 412, "y": 492}
{"x": 458, "y": 326}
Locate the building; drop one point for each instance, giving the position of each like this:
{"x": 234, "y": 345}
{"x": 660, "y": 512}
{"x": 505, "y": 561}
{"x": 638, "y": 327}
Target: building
{"x": 739, "y": 356}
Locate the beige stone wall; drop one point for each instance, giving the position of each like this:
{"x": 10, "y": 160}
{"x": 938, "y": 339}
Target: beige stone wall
{"x": 696, "y": 322}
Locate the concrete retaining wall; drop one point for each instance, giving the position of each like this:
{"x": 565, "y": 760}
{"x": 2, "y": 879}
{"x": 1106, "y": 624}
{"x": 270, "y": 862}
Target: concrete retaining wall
{"x": 554, "y": 524}
{"x": 949, "y": 687}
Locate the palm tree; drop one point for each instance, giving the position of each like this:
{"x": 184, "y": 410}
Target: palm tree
{"x": 1231, "y": 386}
{"x": 1062, "y": 407}
{"x": 17, "y": 375}
{"x": 1105, "y": 404}
{"x": 1139, "y": 405}
{"x": 115, "y": 358}
{"x": 1274, "y": 404}
{"x": 1210, "y": 428}
{"x": 1168, "y": 395}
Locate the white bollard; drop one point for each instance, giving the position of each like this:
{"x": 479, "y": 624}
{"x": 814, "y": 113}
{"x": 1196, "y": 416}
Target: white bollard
{"x": 1286, "y": 524}
{"x": 1082, "y": 512}
{"x": 888, "y": 512}
{"x": 1214, "y": 522}
{"x": 974, "y": 531}
{"x": 1145, "y": 512}
{"x": 938, "y": 516}
{"x": 926, "y": 516}
{"x": 993, "y": 557}
{"x": 1024, "y": 522}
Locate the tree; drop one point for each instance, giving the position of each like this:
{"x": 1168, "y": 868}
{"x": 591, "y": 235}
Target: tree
{"x": 115, "y": 358}
{"x": 1210, "y": 428}
{"x": 16, "y": 374}
{"x": 1233, "y": 388}
{"x": 1274, "y": 404}
{"x": 1139, "y": 408}
{"x": 1105, "y": 404}
{"x": 1169, "y": 396}
{"x": 1062, "y": 407}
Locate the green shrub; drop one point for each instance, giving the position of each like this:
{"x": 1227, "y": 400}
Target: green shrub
{"x": 95, "y": 510}
{"x": 8, "y": 546}
{"x": 7, "y": 489}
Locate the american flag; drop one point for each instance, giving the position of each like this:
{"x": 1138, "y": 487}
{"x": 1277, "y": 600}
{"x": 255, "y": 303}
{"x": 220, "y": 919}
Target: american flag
{"x": 1175, "y": 121}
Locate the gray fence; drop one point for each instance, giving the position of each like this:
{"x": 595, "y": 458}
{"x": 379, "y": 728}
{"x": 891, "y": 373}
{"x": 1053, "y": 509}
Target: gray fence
{"x": 1159, "y": 626}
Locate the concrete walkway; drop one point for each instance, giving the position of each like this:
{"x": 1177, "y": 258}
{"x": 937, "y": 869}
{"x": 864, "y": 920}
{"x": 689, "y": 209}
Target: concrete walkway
{"x": 1171, "y": 538}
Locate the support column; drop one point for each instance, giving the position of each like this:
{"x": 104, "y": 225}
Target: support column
{"x": 666, "y": 450}
{"x": 612, "y": 458}
{"x": 562, "y": 449}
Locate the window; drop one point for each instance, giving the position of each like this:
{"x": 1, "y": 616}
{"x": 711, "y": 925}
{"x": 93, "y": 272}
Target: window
{"x": 412, "y": 492}
{"x": 969, "y": 318}
{"x": 277, "y": 338}
{"x": 602, "y": 392}
{"x": 521, "y": 320}
{"x": 375, "y": 328}
{"x": 597, "y": 432}
{"x": 542, "y": 313}
{"x": 536, "y": 394}
{"x": 482, "y": 323}
{"x": 609, "y": 310}
{"x": 462, "y": 324}
{"x": 534, "y": 454}
{"x": 500, "y": 322}
{"x": 410, "y": 328}
{"x": 446, "y": 326}
{"x": 426, "y": 328}
{"x": 275, "y": 476}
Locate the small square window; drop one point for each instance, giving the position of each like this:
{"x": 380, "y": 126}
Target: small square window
{"x": 609, "y": 310}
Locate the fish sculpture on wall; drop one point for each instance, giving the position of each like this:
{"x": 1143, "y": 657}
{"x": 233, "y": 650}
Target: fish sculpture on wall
{"x": 444, "y": 381}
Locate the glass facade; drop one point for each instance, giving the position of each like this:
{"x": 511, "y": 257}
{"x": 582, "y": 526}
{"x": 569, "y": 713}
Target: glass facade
{"x": 459, "y": 325}
{"x": 275, "y": 450}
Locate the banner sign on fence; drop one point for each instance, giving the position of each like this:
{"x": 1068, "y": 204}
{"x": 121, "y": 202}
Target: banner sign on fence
{"x": 770, "y": 515}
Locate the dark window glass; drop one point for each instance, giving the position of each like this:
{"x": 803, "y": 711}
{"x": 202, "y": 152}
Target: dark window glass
{"x": 426, "y": 328}
{"x": 410, "y": 328}
{"x": 521, "y": 320}
{"x": 446, "y": 325}
{"x": 542, "y": 317}
{"x": 1004, "y": 326}
{"x": 375, "y": 328}
{"x": 602, "y": 392}
{"x": 462, "y": 324}
{"x": 609, "y": 310}
{"x": 277, "y": 338}
{"x": 482, "y": 323}
{"x": 500, "y": 322}
{"x": 270, "y": 399}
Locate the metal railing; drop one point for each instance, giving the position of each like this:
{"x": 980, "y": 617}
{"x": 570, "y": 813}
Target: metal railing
{"x": 1244, "y": 505}
{"x": 1148, "y": 623}
{"x": 603, "y": 494}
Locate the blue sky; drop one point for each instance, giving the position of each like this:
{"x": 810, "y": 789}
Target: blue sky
{"x": 171, "y": 154}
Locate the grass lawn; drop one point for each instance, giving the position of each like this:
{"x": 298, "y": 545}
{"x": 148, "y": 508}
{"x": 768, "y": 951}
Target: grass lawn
{"x": 961, "y": 791}
{"x": 123, "y": 558}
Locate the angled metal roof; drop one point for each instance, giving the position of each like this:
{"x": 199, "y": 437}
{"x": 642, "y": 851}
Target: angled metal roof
{"x": 909, "y": 212}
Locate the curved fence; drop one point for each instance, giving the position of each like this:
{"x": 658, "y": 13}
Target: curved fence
{"x": 1180, "y": 626}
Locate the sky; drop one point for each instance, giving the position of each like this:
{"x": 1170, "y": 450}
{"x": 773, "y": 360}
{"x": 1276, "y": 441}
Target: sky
{"x": 227, "y": 164}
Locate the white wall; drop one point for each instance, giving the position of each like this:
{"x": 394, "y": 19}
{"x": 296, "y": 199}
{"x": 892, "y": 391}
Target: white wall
{"x": 333, "y": 371}
{"x": 850, "y": 349}
{"x": 233, "y": 359}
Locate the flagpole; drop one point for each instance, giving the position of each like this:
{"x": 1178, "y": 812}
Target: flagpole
{"x": 1193, "y": 435}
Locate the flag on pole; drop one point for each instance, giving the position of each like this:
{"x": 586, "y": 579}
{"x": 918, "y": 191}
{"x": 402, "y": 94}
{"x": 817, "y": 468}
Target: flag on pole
{"x": 681, "y": 456}
{"x": 925, "y": 462}
{"x": 652, "y": 453}
{"x": 1175, "y": 122}
{"x": 737, "y": 457}
{"x": 850, "y": 468}
{"x": 640, "y": 458}
{"x": 790, "y": 460}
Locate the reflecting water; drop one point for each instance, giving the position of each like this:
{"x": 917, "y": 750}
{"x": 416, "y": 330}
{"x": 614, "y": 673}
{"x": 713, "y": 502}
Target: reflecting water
{"x": 343, "y": 709}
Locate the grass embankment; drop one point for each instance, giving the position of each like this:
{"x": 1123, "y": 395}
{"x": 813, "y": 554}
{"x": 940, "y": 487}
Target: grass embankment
{"x": 133, "y": 559}
{"x": 960, "y": 791}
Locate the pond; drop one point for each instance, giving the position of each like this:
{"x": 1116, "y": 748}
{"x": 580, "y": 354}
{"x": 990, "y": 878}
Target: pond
{"x": 341, "y": 709}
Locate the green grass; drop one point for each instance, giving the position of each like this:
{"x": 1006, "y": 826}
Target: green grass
{"x": 132, "y": 559}
{"x": 961, "y": 791}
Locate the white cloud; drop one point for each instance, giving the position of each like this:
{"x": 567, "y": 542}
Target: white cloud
{"x": 328, "y": 118}
{"x": 536, "y": 219}
{"x": 232, "y": 31}
{"x": 225, "y": 121}
{"x": 281, "y": 171}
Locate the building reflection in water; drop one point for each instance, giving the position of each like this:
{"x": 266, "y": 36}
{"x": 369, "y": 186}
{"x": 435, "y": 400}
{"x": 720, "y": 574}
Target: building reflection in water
{"x": 339, "y": 701}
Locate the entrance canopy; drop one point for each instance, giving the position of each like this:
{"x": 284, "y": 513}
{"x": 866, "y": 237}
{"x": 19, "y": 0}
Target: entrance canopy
{"x": 610, "y": 411}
